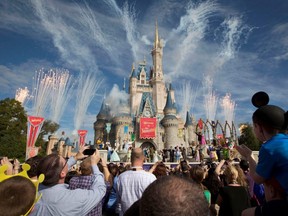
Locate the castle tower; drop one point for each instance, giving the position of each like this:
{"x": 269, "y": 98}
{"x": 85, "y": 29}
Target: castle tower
{"x": 60, "y": 148}
{"x": 133, "y": 90}
{"x": 190, "y": 136}
{"x": 52, "y": 140}
{"x": 122, "y": 121}
{"x": 67, "y": 148}
{"x": 157, "y": 81}
{"x": 100, "y": 124}
{"x": 170, "y": 123}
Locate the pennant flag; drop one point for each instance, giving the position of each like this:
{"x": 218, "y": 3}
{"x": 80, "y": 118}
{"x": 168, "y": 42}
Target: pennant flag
{"x": 108, "y": 127}
{"x": 34, "y": 127}
{"x": 126, "y": 129}
{"x": 132, "y": 137}
{"x": 82, "y": 135}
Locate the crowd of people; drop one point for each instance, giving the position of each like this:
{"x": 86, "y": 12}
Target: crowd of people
{"x": 97, "y": 187}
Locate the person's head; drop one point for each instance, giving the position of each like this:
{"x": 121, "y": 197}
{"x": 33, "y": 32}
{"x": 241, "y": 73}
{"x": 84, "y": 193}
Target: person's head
{"x": 231, "y": 174}
{"x": 242, "y": 179}
{"x": 137, "y": 157}
{"x": 54, "y": 167}
{"x": 85, "y": 167}
{"x": 268, "y": 118}
{"x": 17, "y": 196}
{"x": 33, "y": 162}
{"x": 160, "y": 170}
{"x": 113, "y": 169}
{"x": 70, "y": 175}
{"x": 197, "y": 173}
{"x": 172, "y": 195}
{"x": 244, "y": 164}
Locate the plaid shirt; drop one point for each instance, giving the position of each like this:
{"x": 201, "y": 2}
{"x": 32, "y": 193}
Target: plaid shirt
{"x": 85, "y": 182}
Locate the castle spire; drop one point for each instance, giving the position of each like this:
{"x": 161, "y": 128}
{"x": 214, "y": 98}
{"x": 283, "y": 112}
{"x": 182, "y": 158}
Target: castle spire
{"x": 188, "y": 120}
{"x": 156, "y": 40}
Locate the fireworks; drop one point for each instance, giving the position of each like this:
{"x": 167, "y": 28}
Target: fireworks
{"x": 210, "y": 98}
{"x": 41, "y": 94}
{"x": 22, "y": 95}
{"x": 228, "y": 108}
{"x": 187, "y": 98}
{"x": 61, "y": 93}
{"x": 87, "y": 87}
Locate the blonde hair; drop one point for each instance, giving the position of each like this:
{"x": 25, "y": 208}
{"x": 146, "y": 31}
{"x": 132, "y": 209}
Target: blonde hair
{"x": 231, "y": 174}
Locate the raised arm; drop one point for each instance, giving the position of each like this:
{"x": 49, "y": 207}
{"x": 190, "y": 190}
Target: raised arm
{"x": 248, "y": 155}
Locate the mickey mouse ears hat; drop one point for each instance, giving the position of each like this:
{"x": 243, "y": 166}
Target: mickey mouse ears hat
{"x": 272, "y": 115}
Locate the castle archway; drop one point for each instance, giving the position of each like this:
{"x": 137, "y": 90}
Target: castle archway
{"x": 148, "y": 145}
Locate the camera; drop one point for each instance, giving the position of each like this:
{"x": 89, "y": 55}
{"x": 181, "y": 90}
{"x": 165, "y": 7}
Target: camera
{"x": 89, "y": 151}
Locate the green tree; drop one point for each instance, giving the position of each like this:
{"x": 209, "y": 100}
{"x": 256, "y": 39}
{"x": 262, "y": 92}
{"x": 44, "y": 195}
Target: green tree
{"x": 248, "y": 137}
{"x": 13, "y": 129}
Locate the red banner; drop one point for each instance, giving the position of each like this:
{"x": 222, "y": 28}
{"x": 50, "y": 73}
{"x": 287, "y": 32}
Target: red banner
{"x": 34, "y": 127}
{"x": 82, "y": 135}
{"x": 147, "y": 128}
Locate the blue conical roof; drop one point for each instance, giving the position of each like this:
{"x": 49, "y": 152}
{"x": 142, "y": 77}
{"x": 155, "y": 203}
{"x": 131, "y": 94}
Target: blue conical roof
{"x": 188, "y": 120}
{"x": 104, "y": 111}
{"x": 68, "y": 142}
{"x": 134, "y": 74}
{"x": 169, "y": 103}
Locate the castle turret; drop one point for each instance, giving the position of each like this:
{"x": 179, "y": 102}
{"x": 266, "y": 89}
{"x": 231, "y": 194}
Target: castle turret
{"x": 123, "y": 121}
{"x": 133, "y": 89}
{"x": 190, "y": 135}
{"x": 100, "y": 123}
{"x": 170, "y": 123}
{"x": 157, "y": 80}
{"x": 52, "y": 141}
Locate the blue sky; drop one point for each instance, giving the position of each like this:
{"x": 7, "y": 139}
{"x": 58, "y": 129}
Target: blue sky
{"x": 241, "y": 45}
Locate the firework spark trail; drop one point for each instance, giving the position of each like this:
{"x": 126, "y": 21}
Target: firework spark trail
{"x": 61, "y": 93}
{"x": 210, "y": 98}
{"x": 129, "y": 22}
{"x": 68, "y": 35}
{"x": 194, "y": 25}
{"x": 88, "y": 19}
{"x": 228, "y": 106}
{"x": 128, "y": 18}
{"x": 22, "y": 95}
{"x": 234, "y": 31}
{"x": 234, "y": 34}
{"x": 87, "y": 88}
{"x": 187, "y": 98}
{"x": 41, "y": 94}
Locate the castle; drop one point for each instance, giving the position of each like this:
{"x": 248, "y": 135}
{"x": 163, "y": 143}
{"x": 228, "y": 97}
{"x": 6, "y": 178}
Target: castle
{"x": 149, "y": 117}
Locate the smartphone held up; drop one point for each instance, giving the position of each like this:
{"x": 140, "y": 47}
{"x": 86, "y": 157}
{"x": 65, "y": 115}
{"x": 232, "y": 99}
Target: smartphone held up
{"x": 89, "y": 151}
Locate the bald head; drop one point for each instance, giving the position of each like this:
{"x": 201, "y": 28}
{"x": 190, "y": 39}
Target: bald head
{"x": 137, "y": 156}
{"x": 172, "y": 195}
